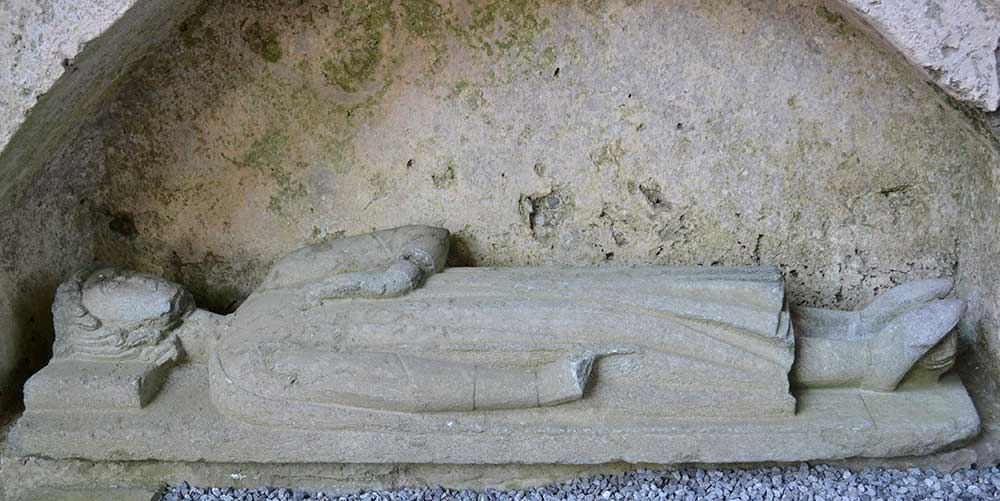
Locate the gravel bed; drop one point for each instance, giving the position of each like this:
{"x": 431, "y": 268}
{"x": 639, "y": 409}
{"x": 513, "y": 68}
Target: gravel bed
{"x": 797, "y": 483}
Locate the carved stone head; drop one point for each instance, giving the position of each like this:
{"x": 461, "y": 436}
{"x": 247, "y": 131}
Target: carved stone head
{"x": 104, "y": 313}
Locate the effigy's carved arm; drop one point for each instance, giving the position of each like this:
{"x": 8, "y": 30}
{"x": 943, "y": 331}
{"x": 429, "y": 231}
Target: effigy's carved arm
{"x": 398, "y": 382}
{"x": 386, "y": 263}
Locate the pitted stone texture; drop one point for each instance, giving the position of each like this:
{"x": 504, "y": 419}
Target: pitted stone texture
{"x": 103, "y": 314}
{"x": 72, "y": 384}
{"x": 954, "y": 42}
{"x": 494, "y": 365}
{"x": 666, "y": 337}
{"x": 49, "y": 201}
{"x": 912, "y": 176}
{"x": 652, "y": 143}
{"x": 40, "y": 40}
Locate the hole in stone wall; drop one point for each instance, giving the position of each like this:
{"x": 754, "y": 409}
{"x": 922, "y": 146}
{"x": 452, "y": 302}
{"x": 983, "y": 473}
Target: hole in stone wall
{"x": 123, "y": 225}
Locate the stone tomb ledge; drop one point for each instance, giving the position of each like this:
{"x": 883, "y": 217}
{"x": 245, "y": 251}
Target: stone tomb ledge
{"x": 38, "y": 479}
{"x": 43, "y": 458}
{"x": 183, "y": 425}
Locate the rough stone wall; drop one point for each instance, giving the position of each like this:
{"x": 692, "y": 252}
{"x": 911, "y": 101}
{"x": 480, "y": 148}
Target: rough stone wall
{"x": 47, "y": 229}
{"x": 570, "y": 132}
{"x": 952, "y": 42}
{"x": 46, "y": 194}
{"x": 41, "y": 39}
{"x": 979, "y": 283}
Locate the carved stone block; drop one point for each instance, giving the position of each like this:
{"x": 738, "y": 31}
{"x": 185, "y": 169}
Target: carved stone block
{"x": 77, "y": 384}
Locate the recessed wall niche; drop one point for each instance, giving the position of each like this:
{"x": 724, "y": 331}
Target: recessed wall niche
{"x": 569, "y": 133}
{"x": 590, "y": 132}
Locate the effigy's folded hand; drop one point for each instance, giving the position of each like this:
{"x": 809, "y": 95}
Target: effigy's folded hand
{"x": 385, "y": 263}
{"x": 398, "y": 279}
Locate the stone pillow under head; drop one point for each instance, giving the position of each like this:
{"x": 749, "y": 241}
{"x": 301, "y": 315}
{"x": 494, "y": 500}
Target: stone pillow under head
{"x": 106, "y": 313}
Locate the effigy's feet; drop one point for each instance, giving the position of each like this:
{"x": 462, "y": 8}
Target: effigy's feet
{"x": 902, "y": 326}
{"x": 894, "y": 302}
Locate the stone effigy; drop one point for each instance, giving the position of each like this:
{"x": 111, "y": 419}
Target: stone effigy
{"x": 367, "y": 350}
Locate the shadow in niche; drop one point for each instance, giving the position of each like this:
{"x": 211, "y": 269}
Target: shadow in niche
{"x": 211, "y": 289}
{"x": 460, "y": 253}
{"x": 34, "y": 332}
{"x": 221, "y": 300}
{"x": 974, "y": 366}
{"x": 202, "y": 278}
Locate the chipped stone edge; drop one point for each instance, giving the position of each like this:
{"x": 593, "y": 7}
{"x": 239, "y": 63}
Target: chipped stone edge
{"x": 953, "y": 44}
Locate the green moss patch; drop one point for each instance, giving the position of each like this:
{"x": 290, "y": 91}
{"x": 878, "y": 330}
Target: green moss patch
{"x": 355, "y": 65}
{"x": 263, "y": 42}
{"x": 422, "y": 17}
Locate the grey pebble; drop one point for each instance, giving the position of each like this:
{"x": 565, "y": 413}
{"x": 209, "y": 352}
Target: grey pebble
{"x": 800, "y": 482}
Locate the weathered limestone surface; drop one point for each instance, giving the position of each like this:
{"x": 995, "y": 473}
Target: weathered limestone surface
{"x": 953, "y": 42}
{"x": 47, "y": 198}
{"x": 830, "y": 424}
{"x": 850, "y": 185}
{"x": 643, "y": 324}
{"x": 115, "y": 342}
{"x": 473, "y": 129}
{"x": 979, "y": 282}
{"x": 41, "y": 39}
{"x": 59, "y": 59}
{"x": 213, "y": 109}
{"x": 124, "y": 385}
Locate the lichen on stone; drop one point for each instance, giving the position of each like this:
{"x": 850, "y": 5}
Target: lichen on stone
{"x": 503, "y": 25}
{"x": 609, "y": 154}
{"x": 422, "y": 17}
{"x": 446, "y": 177}
{"x": 354, "y": 65}
{"x": 262, "y": 41}
{"x": 193, "y": 29}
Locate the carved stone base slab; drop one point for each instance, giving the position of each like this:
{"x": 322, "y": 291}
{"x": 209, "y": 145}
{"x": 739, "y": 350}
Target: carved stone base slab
{"x": 182, "y": 424}
{"x": 40, "y": 479}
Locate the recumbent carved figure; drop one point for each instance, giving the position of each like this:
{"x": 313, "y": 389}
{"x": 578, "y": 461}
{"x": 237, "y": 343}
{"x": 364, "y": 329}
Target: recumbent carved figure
{"x": 375, "y": 323}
